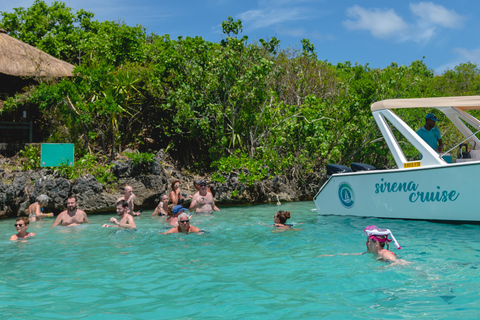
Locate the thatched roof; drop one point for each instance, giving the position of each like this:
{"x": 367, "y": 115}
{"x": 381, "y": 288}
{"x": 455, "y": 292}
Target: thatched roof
{"x": 20, "y": 59}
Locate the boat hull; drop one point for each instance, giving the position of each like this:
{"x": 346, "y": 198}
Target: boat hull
{"x": 444, "y": 193}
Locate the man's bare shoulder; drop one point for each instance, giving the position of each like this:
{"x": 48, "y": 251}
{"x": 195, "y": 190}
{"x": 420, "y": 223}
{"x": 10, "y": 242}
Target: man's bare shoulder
{"x": 196, "y": 195}
{"x": 194, "y": 229}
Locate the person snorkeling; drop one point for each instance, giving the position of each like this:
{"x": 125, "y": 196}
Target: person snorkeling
{"x": 377, "y": 239}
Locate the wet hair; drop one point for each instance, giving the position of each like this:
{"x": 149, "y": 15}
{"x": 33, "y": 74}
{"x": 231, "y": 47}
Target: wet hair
{"x": 72, "y": 197}
{"x": 382, "y": 244}
{"x": 181, "y": 215}
{"x": 170, "y": 210}
{"x": 24, "y": 219}
{"x": 283, "y": 216}
{"x": 173, "y": 184}
{"x": 163, "y": 195}
{"x": 43, "y": 198}
{"x": 122, "y": 203}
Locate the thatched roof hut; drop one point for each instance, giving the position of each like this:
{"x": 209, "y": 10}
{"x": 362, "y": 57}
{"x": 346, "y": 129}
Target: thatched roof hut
{"x": 23, "y": 60}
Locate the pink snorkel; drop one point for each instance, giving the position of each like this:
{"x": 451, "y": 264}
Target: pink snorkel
{"x": 381, "y": 235}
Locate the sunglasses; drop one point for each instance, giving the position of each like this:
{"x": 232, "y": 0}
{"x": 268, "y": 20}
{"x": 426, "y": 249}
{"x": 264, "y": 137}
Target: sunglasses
{"x": 184, "y": 221}
{"x": 177, "y": 185}
{"x": 203, "y": 185}
{"x": 19, "y": 225}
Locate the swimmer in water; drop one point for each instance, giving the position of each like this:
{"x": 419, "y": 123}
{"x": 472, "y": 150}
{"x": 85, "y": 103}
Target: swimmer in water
{"x": 280, "y": 218}
{"x": 72, "y": 216}
{"x": 35, "y": 210}
{"x": 22, "y": 225}
{"x": 202, "y": 201}
{"x": 161, "y": 209}
{"x": 376, "y": 241}
{"x": 183, "y": 225}
{"x": 126, "y": 219}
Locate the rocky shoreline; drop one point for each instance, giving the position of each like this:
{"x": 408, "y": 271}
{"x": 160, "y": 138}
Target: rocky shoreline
{"x": 18, "y": 189}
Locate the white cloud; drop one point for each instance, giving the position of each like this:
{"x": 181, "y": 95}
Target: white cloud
{"x": 381, "y": 24}
{"x": 385, "y": 24}
{"x": 463, "y": 56}
{"x": 468, "y": 55}
{"x": 270, "y": 16}
{"x": 435, "y": 14}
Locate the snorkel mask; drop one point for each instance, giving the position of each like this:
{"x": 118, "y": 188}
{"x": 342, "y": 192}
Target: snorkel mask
{"x": 381, "y": 235}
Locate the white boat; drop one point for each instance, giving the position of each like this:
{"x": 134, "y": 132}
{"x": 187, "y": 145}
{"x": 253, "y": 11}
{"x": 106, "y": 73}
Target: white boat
{"x": 426, "y": 189}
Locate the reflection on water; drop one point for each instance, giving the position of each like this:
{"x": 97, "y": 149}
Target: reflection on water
{"x": 239, "y": 268}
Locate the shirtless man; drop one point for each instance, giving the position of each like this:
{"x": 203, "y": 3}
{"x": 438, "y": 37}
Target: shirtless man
{"x": 72, "y": 216}
{"x": 129, "y": 197}
{"x": 183, "y": 225}
{"x": 202, "y": 201}
{"x": 126, "y": 220}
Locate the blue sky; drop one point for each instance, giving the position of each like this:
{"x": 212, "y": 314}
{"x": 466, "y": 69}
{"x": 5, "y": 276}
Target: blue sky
{"x": 361, "y": 31}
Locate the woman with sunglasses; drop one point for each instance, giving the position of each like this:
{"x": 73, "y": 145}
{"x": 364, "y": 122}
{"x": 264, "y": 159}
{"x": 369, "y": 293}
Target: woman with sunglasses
{"x": 175, "y": 196}
{"x": 22, "y": 225}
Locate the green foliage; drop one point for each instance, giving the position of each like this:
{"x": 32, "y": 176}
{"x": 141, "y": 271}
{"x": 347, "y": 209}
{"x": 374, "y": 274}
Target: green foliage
{"x": 253, "y": 109}
{"x": 30, "y": 158}
{"x": 89, "y": 164}
{"x": 138, "y": 158}
{"x": 248, "y": 171}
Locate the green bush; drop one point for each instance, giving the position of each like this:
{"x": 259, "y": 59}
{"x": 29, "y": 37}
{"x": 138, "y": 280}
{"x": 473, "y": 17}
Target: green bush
{"x": 89, "y": 164}
{"x": 138, "y": 158}
{"x": 30, "y": 158}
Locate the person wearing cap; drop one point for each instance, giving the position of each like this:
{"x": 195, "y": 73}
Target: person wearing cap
{"x": 202, "y": 201}
{"x": 183, "y": 225}
{"x": 431, "y": 134}
{"x": 172, "y": 214}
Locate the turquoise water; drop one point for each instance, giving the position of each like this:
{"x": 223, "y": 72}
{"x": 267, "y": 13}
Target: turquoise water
{"x": 239, "y": 269}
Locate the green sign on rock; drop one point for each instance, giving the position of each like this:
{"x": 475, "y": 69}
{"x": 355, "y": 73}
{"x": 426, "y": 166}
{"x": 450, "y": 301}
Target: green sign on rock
{"x": 57, "y": 154}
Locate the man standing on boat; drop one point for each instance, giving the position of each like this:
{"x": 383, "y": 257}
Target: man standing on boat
{"x": 430, "y": 133}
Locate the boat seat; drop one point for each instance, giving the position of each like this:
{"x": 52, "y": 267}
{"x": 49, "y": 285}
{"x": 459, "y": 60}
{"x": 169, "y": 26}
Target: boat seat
{"x": 361, "y": 167}
{"x": 337, "y": 168}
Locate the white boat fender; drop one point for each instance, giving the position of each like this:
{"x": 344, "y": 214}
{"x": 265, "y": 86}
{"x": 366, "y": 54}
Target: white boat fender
{"x": 374, "y": 231}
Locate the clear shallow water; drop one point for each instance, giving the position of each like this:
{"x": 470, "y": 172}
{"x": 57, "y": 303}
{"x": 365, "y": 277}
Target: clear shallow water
{"x": 240, "y": 269}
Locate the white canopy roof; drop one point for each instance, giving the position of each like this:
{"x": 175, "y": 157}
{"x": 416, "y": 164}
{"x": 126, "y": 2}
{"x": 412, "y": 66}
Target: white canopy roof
{"x": 463, "y": 103}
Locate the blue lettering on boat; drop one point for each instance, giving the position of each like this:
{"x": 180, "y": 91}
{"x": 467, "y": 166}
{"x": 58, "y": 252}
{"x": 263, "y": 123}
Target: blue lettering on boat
{"x": 416, "y": 195}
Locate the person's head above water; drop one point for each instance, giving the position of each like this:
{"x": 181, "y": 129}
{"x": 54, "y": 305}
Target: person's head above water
{"x": 281, "y": 217}
{"x": 380, "y": 235}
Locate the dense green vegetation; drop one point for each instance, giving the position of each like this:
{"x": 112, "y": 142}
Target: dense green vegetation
{"x": 253, "y": 108}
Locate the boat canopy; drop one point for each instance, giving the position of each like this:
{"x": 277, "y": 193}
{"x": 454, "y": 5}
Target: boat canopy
{"x": 462, "y": 103}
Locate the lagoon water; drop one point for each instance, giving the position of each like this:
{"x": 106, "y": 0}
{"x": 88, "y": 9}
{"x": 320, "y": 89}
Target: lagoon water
{"x": 240, "y": 269}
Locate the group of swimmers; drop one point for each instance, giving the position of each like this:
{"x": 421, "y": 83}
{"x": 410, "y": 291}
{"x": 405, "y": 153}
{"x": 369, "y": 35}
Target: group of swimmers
{"x": 202, "y": 202}
{"x": 179, "y": 219}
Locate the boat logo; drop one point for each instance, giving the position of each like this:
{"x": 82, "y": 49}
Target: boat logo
{"x": 345, "y": 194}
